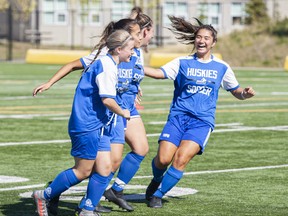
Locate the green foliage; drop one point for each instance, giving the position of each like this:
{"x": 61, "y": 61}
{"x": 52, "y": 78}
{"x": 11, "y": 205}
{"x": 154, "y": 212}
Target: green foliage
{"x": 280, "y": 28}
{"x": 256, "y": 12}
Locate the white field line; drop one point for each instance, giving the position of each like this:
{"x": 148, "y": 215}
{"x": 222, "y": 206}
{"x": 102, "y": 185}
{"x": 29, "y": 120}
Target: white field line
{"x": 279, "y": 93}
{"x": 28, "y": 116}
{"x": 186, "y": 174}
{"x": 253, "y": 105}
{"x": 65, "y": 116}
{"x": 33, "y": 142}
{"x": 233, "y": 129}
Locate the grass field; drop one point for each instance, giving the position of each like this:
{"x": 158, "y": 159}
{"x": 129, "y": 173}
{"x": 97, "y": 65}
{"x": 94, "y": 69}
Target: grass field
{"x": 243, "y": 171}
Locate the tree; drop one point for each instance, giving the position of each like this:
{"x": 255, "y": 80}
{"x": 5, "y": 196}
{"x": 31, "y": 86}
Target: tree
{"x": 4, "y": 5}
{"x": 256, "y": 12}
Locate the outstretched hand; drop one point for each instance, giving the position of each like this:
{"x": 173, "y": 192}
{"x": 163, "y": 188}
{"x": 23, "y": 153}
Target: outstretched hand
{"x": 41, "y": 88}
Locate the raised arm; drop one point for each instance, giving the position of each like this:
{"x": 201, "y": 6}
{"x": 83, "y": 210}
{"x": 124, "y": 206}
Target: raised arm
{"x": 154, "y": 73}
{"x": 243, "y": 93}
{"x": 62, "y": 72}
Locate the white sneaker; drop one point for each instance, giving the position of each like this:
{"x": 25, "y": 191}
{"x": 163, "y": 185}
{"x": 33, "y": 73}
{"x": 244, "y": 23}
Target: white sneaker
{"x": 40, "y": 202}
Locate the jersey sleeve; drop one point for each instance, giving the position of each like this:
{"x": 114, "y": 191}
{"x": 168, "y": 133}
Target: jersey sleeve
{"x": 107, "y": 80}
{"x": 86, "y": 60}
{"x": 171, "y": 69}
{"x": 229, "y": 81}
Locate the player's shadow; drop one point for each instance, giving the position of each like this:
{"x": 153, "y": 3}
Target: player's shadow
{"x": 140, "y": 198}
{"x": 26, "y": 207}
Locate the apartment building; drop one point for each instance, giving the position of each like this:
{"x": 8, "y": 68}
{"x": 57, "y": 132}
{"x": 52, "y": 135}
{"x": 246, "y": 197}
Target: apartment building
{"x": 69, "y": 23}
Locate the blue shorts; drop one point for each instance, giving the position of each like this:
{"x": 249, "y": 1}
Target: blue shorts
{"x": 185, "y": 127}
{"x": 117, "y": 134}
{"x": 133, "y": 114}
{"x": 85, "y": 145}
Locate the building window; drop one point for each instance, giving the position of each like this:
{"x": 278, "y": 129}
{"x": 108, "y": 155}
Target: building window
{"x": 90, "y": 13}
{"x": 209, "y": 13}
{"x": 121, "y": 9}
{"x": 238, "y": 13}
{"x": 174, "y": 8}
{"x": 55, "y": 12}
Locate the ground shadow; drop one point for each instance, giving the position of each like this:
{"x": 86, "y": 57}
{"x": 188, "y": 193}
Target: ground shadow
{"x": 26, "y": 207}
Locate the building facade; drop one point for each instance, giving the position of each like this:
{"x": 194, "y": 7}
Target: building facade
{"x": 70, "y": 23}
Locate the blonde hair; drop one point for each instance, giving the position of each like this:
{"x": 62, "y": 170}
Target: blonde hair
{"x": 118, "y": 38}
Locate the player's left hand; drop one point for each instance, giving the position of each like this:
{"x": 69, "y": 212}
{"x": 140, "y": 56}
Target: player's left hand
{"x": 248, "y": 92}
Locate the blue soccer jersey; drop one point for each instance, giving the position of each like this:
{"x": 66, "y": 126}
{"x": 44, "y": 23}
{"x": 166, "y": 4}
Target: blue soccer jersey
{"x": 88, "y": 111}
{"x": 130, "y": 74}
{"x": 196, "y": 84}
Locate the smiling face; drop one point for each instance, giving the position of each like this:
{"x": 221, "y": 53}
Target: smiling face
{"x": 204, "y": 42}
{"x": 126, "y": 51}
{"x": 137, "y": 36}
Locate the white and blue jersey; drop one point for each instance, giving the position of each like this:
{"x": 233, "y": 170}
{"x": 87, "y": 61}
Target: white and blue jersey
{"x": 86, "y": 60}
{"x": 197, "y": 84}
{"x": 88, "y": 111}
{"x": 130, "y": 74}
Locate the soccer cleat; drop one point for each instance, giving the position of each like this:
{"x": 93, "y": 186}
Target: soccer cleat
{"x": 151, "y": 189}
{"x": 52, "y": 205}
{"x": 117, "y": 198}
{"x": 102, "y": 209}
{"x": 85, "y": 212}
{"x": 155, "y": 202}
{"x": 99, "y": 208}
{"x": 40, "y": 201}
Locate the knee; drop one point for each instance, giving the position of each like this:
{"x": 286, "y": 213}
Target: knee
{"x": 144, "y": 150}
{"x": 140, "y": 149}
{"x": 115, "y": 165}
{"x": 104, "y": 169}
{"x": 82, "y": 173}
{"x": 180, "y": 162}
{"x": 162, "y": 161}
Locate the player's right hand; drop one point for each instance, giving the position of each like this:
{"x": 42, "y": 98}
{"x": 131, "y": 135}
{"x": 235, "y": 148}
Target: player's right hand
{"x": 41, "y": 88}
{"x": 126, "y": 114}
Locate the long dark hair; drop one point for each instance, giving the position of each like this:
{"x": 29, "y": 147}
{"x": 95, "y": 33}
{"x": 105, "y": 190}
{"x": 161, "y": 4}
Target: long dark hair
{"x": 123, "y": 24}
{"x": 186, "y": 32}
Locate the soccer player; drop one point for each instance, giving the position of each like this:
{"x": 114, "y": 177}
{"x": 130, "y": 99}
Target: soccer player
{"x": 90, "y": 125}
{"x": 135, "y": 133}
{"x": 197, "y": 80}
{"x": 130, "y": 76}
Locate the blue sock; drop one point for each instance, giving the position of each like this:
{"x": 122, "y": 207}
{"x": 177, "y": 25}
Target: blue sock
{"x": 96, "y": 187}
{"x": 128, "y": 169}
{"x": 157, "y": 173}
{"x": 171, "y": 178}
{"x": 82, "y": 202}
{"x": 61, "y": 183}
{"x": 110, "y": 178}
